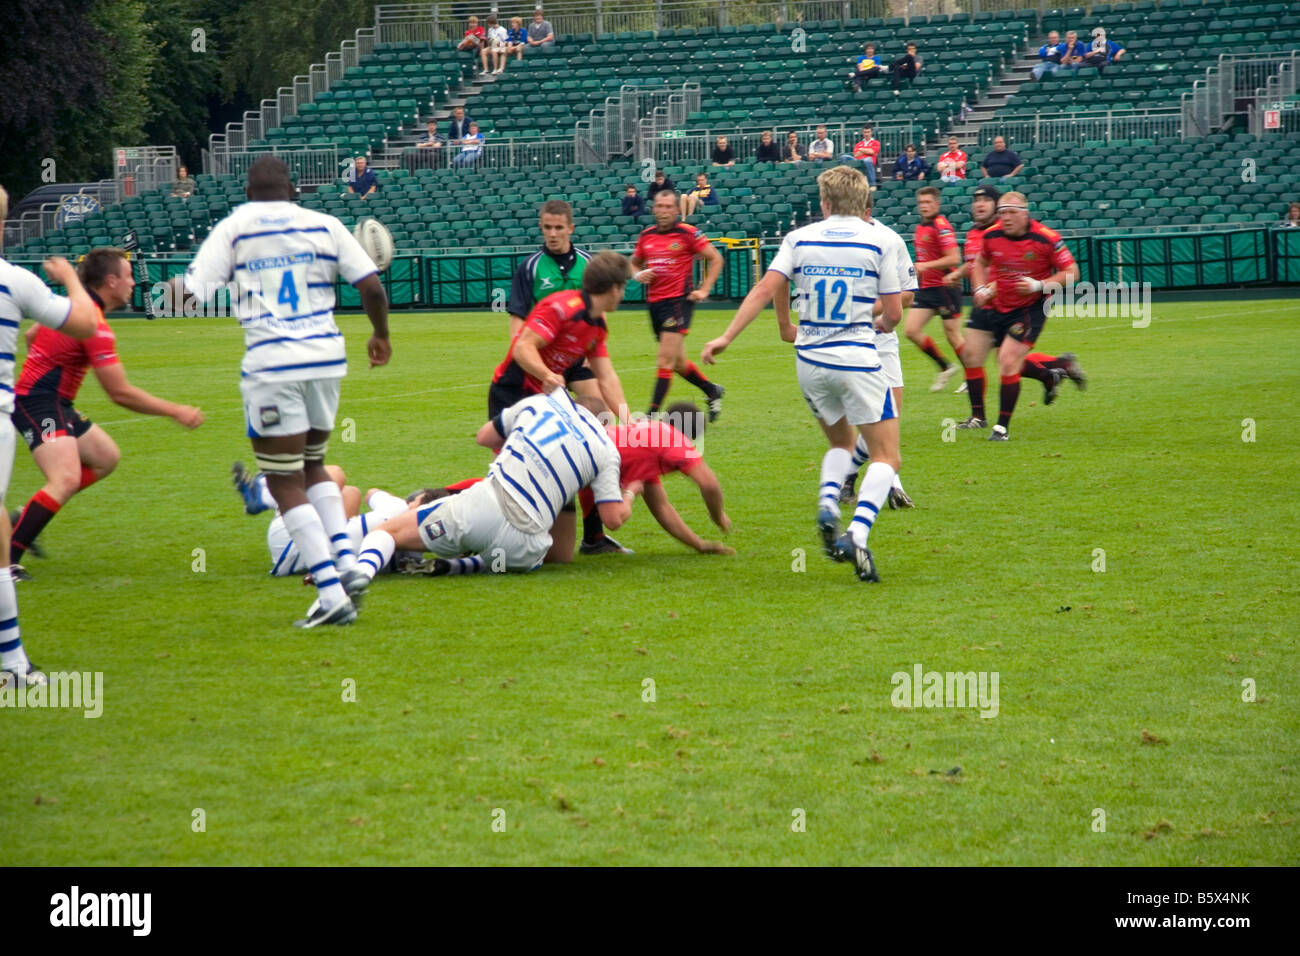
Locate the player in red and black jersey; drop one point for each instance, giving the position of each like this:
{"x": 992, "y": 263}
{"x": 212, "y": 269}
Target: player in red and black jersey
{"x": 665, "y": 255}
{"x": 1020, "y": 263}
{"x": 71, "y": 452}
{"x": 935, "y": 243}
{"x": 1048, "y": 369}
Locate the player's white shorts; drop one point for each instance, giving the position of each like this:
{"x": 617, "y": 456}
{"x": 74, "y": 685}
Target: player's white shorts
{"x": 860, "y": 396}
{"x": 289, "y": 408}
{"x": 473, "y": 522}
{"x": 7, "y": 440}
{"x": 891, "y": 367}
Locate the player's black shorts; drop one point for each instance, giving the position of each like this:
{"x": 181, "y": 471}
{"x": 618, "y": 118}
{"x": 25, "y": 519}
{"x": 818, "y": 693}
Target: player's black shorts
{"x": 1023, "y": 325}
{"x": 671, "y": 315}
{"x": 42, "y": 416}
{"x": 943, "y": 299}
{"x": 501, "y": 397}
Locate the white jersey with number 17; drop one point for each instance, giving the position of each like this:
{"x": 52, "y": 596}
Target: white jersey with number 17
{"x": 840, "y": 266}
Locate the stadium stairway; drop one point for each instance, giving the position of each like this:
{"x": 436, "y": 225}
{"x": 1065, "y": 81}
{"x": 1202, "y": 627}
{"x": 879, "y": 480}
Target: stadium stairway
{"x": 982, "y": 110}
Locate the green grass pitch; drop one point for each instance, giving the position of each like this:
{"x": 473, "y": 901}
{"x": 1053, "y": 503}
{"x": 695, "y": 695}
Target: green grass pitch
{"x": 518, "y": 701}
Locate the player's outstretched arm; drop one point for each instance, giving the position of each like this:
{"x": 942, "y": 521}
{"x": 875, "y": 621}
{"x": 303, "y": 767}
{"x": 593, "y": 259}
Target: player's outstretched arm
{"x": 711, "y": 492}
{"x": 754, "y": 303}
{"x": 122, "y": 392}
{"x": 83, "y": 318}
{"x": 656, "y": 500}
{"x": 375, "y": 301}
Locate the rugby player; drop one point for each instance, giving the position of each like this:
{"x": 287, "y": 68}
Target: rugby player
{"x": 23, "y": 295}
{"x": 840, "y": 267}
{"x": 665, "y": 256}
{"x": 283, "y": 260}
{"x": 71, "y": 452}
{"x": 936, "y": 252}
{"x": 1018, "y": 258}
{"x": 1048, "y": 369}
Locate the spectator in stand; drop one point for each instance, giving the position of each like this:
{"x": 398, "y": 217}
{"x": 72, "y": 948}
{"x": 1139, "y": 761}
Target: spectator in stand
{"x": 633, "y": 204}
{"x": 790, "y": 152}
{"x": 822, "y": 148}
{"x": 867, "y": 149}
{"x": 702, "y": 195}
{"x": 1001, "y": 162}
{"x": 768, "y": 151}
{"x": 1102, "y": 51}
{"x": 184, "y": 186}
{"x": 1049, "y": 56}
{"x": 471, "y": 147}
{"x": 1292, "y": 219}
{"x": 475, "y": 40}
{"x": 1072, "y": 51}
{"x": 723, "y": 155}
{"x": 428, "y": 151}
{"x": 459, "y": 127}
{"x": 867, "y": 67}
{"x": 365, "y": 182}
{"x": 516, "y": 38}
{"x": 496, "y": 44}
{"x": 906, "y": 67}
{"x": 661, "y": 183}
{"x": 911, "y": 165}
{"x": 952, "y": 164}
{"x": 540, "y": 31}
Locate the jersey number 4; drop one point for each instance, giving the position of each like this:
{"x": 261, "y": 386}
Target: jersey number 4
{"x": 283, "y": 290}
{"x": 840, "y": 292}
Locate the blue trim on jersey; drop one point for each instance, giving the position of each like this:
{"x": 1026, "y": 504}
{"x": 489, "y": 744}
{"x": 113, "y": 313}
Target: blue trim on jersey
{"x": 275, "y": 569}
{"x": 320, "y": 285}
{"x": 6, "y": 388}
{"x": 834, "y": 325}
{"x": 288, "y": 318}
{"x": 836, "y": 345}
{"x": 838, "y": 245}
{"x": 554, "y": 474}
{"x": 544, "y": 496}
{"x": 276, "y": 232}
{"x": 5, "y": 289}
{"x": 6, "y": 356}
{"x": 520, "y": 488}
{"x": 887, "y": 411}
{"x": 866, "y": 298}
{"x": 9, "y": 322}
{"x": 576, "y": 473}
{"x": 290, "y": 338}
{"x": 289, "y": 368}
{"x": 422, "y": 513}
{"x": 840, "y": 368}
{"x": 364, "y": 278}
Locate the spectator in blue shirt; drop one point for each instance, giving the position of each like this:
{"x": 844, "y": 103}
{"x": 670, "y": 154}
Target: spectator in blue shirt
{"x": 1049, "y": 56}
{"x": 1103, "y": 51}
{"x": 633, "y": 204}
{"x": 471, "y": 149}
{"x": 910, "y": 165}
{"x": 1001, "y": 162}
{"x": 1073, "y": 52}
{"x": 868, "y": 65}
{"x": 516, "y": 38}
{"x": 365, "y": 182}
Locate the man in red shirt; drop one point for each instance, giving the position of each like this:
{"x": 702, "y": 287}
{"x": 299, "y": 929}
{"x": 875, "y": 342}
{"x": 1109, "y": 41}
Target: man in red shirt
{"x": 665, "y": 254}
{"x": 936, "y": 252}
{"x": 1020, "y": 263}
{"x": 651, "y": 448}
{"x": 475, "y": 40}
{"x": 71, "y": 452}
{"x": 952, "y": 164}
{"x": 867, "y": 149}
{"x": 1048, "y": 369}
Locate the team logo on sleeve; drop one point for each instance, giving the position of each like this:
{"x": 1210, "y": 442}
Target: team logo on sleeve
{"x": 270, "y": 415}
{"x": 434, "y": 530}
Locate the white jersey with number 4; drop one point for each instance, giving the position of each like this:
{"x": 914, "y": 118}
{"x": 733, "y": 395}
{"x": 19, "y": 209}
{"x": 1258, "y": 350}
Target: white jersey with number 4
{"x": 553, "y": 448}
{"x": 283, "y": 260}
{"x": 839, "y": 267}
{"x": 23, "y": 296}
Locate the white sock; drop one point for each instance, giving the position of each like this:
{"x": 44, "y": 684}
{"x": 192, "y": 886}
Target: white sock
{"x": 860, "y": 454}
{"x": 376, "y": 551}
{"x": 12, "y": 656}
{"x": 386, "y": 505}
{"x": 835, "y": 465}
{"x": 327, "y": 499}
{"x": 304, "y": 526}
{"x": 875, "y": 489}
{"x": 268, "y": 500}
{"x": 898, "y": 482}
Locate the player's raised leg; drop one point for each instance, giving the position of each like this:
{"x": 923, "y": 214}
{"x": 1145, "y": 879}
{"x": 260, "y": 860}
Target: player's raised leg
{"x": 60, "y": 463}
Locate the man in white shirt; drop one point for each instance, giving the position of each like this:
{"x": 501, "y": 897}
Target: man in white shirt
{"x": 822, "y": 148}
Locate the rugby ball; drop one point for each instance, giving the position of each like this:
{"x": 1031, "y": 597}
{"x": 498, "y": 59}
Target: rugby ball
{"x": 376, "y": 240}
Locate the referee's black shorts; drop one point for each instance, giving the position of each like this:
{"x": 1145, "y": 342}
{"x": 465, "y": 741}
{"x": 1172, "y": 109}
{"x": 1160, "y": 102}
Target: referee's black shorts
{"x": 672, "y": 315}
{"x": 942, "y": 299}
{"x": 1023, "y": 325}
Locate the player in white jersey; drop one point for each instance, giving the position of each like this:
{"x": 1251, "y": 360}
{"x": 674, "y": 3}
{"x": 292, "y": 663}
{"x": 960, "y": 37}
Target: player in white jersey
{"x": 282, "y": 260}
{"x": 23, "y": 295}
{"x": 549, "y": 448}
{"x": 840, "y": 267}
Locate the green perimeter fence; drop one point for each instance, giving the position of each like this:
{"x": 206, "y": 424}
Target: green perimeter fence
{"x": 1264, "y": 256}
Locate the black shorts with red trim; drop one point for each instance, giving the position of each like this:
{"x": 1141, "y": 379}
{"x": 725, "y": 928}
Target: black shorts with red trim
{"x": 42, "y": 416}
{"x": 943, "y": 299}
{"x": 1023, "y": 324}
{"x": 672, "y": 315}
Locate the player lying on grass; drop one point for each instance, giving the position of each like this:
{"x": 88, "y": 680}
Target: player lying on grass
{"x": 651, "y": 448}
{"x": 71, "y": 452}
{"x": 548, "y": 448}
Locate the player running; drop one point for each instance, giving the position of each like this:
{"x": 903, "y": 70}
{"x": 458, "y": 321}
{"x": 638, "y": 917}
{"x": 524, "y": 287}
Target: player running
{"x": 1048, "y": 369}
{"x": 1019, "y": 257}
{"x": 936, "y": 252}
{"x": 283, "y": 260}
{"x": 840, "y": 267}
{"x": 23, "y": 295}
{"x": 71, "y": 452}
{"x": 548, "y": 448}
{"x": 665, "y": 254}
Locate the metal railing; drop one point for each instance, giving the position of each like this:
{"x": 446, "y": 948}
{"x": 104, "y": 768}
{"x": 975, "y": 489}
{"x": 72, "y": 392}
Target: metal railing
{"x": 506, "y": 154}
{"x": 310, "y": 165}
{"x": 1277, "y": 95}
{"x": 695, "y": 146}
{"x": 1233, "y": 78}
{"x": 612, "y": 130}
{"x": 1056, "y": 127}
